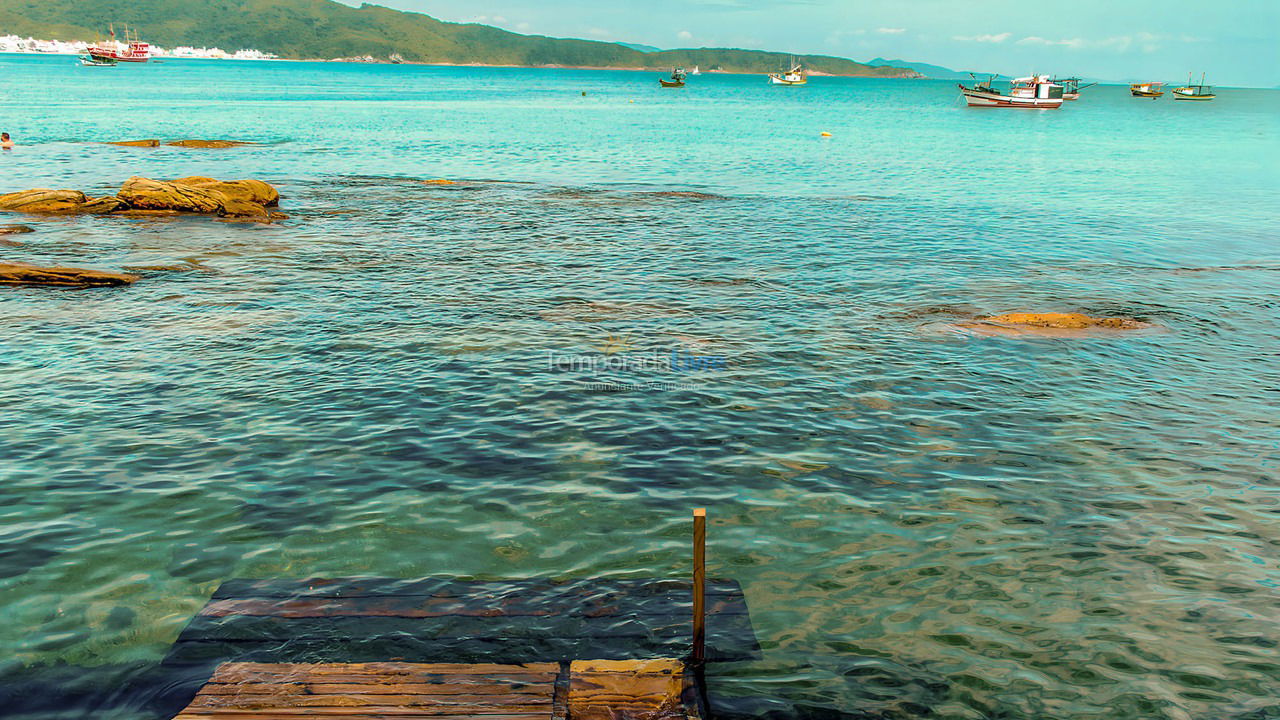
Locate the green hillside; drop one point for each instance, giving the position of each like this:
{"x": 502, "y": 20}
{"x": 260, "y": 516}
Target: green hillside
{"x": 325, "y": 29}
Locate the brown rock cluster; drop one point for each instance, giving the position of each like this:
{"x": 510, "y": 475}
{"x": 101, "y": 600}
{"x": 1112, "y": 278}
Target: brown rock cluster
{"x": 1050, "y": 324}
{"x": 240, "y": 199}
{"x": 16, "y": 273}
{"x": 207, "y": 144}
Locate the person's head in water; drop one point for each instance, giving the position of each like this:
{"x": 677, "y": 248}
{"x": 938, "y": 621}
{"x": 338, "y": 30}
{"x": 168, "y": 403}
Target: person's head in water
{"x": 5, "y": 141}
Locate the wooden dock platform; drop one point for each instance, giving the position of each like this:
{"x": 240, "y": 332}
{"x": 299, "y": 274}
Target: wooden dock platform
{"x": 446, "y": 649}
{"x": 581, "y": 690}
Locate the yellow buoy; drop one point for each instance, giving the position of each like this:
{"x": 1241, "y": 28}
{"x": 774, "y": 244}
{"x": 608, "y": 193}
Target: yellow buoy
{"x": 826, "y": 134}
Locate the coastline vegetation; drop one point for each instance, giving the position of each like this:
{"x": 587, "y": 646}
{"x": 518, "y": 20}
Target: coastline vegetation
{"x": 324, "y": 29}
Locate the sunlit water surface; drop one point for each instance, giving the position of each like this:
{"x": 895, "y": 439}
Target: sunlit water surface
{"x": 926, "y": 524}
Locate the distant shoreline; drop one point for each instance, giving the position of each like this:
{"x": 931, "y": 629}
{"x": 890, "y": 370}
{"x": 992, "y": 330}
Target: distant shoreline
{"x": 360, "y": 61}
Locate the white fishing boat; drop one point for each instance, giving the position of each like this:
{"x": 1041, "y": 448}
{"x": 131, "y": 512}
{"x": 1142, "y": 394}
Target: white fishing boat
{"x": 1034, "y": 91}
{"x": 797, "y": 75}
{"x": 1194, "y": 92}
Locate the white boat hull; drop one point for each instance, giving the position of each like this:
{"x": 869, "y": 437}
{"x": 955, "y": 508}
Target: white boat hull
{"x": 775, "y": 80}
{"x": 980, "y": 99}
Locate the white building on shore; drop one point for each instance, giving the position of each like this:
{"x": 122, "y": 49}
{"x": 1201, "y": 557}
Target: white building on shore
{"x": 16, "y": 44}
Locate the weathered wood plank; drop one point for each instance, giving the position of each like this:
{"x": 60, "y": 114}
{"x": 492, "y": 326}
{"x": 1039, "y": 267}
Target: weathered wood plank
{"x": 450, "y": 685}
{"x": 234, "y": 672}
{"x": 626, "y": 690}
{"x": 428, "y": 606}
{"x": 536, "y": 588}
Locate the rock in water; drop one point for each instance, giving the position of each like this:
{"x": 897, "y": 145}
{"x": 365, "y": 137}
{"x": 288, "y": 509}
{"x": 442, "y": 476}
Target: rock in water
{"x": 208, "y": 143}
{"x": 15, "y": 229}
{"x": 42, "y": 200}
{"x": 12, "y": 273}
{"x": 1053, "y": 324}
{"x": 254, "y": 191}
{"x": 135, "y": 143}
{"x": 144, "y": 194}
{"x": 1070, "y": 321}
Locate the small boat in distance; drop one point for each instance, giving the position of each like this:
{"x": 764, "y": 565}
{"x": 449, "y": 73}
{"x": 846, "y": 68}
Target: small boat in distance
{"x": 1147, "y": 90}
{"x": 1071, "y": 87}
{"x": 1194, "y": 92}
{"x": 131, "y": 50}
{"x": 1033, "y": 91}
{"x": 695, "y": 71}
{"x": 677, "y": 78}
{"x": 91, "y": 61}
{"x": 797, "y": 75}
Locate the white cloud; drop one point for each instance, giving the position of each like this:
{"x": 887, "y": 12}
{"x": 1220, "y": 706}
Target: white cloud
{"x": 1073, "y": 43}
{"x": 684, "y": 35}
{"x": 524, "y": 27}
{"x": 983, "y": 38}
{"x": 1147, "y": 42}
{"x": 891, "y": 31}
{"x": 599, "y": 32}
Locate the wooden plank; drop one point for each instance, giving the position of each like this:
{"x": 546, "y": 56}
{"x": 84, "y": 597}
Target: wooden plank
{"x": 449, "y": 687}
{"x": 436, "y": 690}
{"x": 536, "y": 589}
{"x": 308, "y": 672}
{"x": 428, "y": 606}
{"x": 626, "y": 690}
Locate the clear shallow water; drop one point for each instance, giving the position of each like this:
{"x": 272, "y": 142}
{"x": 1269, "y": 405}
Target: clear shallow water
{"x": 926, "y": 524}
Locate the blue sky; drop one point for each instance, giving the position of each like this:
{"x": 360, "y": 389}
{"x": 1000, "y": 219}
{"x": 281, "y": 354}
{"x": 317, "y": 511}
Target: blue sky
{"x": 1237, "y": 42}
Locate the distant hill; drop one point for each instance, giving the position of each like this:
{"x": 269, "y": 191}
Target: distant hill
{"x": 641, "y": 48}
{"x": 324, "y": 29}
{"x": 932, "y": 71}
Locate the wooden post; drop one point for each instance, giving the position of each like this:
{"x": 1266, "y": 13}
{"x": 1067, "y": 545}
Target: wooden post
{"x": 699, "y": 585}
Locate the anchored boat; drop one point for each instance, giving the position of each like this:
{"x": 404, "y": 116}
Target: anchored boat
{"x": 91, "y": 61}
{"x": 1034, "y": 91}
{"x": 1147, "y": 89}
{"x": 797, "y": 75}
{"x": 1071, "y": 87}
{"x": 677, "y": 78}
{"x": 1194, "y": 92}
{"x": 131, "y": 50}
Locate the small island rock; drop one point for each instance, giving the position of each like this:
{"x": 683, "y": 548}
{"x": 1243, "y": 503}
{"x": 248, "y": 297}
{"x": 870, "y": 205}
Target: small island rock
{"x": 17, "y": 273}
{"x": 208, "y": 143}
{"x": 134, "y": 143}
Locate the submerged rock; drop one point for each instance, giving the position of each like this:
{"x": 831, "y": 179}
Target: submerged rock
{"x": 208, "y": 143}
{"x": 134, "y": 143}
{"x": 13, "y": 273}
{"x": 1052, "y": 324}
{"x": 15, "y": 229}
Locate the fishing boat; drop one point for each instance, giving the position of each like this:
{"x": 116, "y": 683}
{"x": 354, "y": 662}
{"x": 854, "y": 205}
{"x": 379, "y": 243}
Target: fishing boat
{"x": 1147, "y": 89}
{"x": 131, "y": 50}
{"x": 677, "y": 78}
{"x": 1194, "y": 92}
{"x": 91, "y": 61}
{"x": 1033, "y": 91}
{"x": 797, "y": 75}
{"x": 1071, "y": 87}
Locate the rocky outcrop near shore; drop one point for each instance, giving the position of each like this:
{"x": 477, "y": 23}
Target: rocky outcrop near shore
{"x": 1050, "y": 324}
{"x": 17, "y": 273}
{"x": 235, "y": 199}
{"x": 189, "y": 143}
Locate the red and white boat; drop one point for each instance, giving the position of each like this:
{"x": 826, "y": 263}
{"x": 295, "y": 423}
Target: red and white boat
{"x": 1035, "y": 91}
{"x": 131, "y": 50}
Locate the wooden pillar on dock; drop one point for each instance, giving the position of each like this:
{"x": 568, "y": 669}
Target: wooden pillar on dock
{"x": 699, "y": 586}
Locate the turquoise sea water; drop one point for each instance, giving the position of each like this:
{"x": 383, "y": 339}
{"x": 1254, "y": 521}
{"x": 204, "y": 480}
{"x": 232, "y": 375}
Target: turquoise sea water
{"x": 926, "y": 524}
